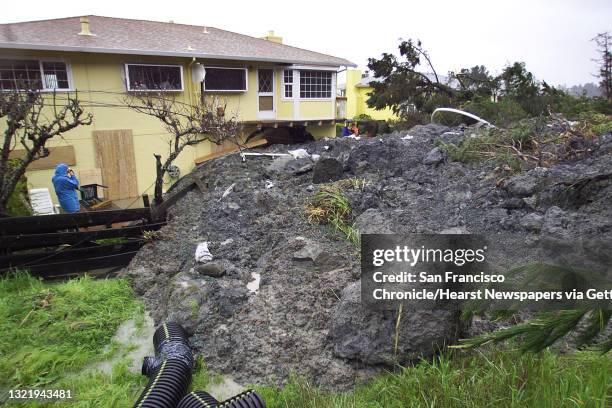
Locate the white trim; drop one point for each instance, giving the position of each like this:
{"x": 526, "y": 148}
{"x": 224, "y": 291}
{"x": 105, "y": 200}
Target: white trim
{"x": 246, "y": 80}
{"x": 282, "y": 90}
{"x": 296, "y": 94}
{"x": 267, "y": 114}
{"x": 314, "y": 68}
{"x": 27, "y": 46}
{"x": 40, "y": 61}
{"x": 127, "y": 77}
{"x": 333, "y": 107}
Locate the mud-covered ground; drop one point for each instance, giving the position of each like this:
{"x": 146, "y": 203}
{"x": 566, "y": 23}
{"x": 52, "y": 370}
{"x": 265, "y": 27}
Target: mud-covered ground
{"x": 253, "y": 218}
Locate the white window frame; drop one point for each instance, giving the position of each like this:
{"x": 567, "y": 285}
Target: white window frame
{"x": 42, "y": 73}
{"x": 127, "y": 77}
{"x": 246, "y": 81}
{"x": 331, "y": 97}
{"x": 284, "y": 97}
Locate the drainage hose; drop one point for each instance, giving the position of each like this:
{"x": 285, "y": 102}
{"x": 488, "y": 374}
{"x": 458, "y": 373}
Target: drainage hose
{"x": 198, "y": 399}
{"x": 247, "y": 399}
{"x": 170, "y": 340}
{"x": 202, "y": 399}
{"x": 169, "y": 371}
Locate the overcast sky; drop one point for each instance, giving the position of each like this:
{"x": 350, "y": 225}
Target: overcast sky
{"x": 551, "y": 36}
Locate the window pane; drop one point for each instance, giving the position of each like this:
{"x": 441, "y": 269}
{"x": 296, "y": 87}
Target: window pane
{"x": 223, "y": 79}
{"x": 265, "y": 77}
{"x": 19, "y": 74}
{"x": 155, "y": 77}
{"x": 315, "y": 84}
{"x": 266, "y": 103}
{"x": 55, "y": 75}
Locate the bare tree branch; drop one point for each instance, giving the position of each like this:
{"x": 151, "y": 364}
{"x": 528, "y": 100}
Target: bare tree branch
{"x": 188, "y": 125}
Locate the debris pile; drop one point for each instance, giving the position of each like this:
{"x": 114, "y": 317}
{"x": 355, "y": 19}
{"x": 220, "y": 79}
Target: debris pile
{"x": 266, "y": 291}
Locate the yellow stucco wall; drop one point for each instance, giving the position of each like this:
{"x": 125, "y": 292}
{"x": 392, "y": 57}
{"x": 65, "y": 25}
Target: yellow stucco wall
{"x": 356, "y": 98}
{"x": 99, "y": 79}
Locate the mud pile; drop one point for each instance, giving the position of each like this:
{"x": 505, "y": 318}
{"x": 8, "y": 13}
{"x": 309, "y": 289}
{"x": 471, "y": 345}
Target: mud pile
{"x": 280, "y": 295}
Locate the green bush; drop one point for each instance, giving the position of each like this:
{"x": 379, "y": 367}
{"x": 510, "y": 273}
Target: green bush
{"x": 18, "y": 204}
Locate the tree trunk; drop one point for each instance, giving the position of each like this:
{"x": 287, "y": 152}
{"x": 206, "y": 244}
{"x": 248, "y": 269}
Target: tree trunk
{"x": 159, "y": 181}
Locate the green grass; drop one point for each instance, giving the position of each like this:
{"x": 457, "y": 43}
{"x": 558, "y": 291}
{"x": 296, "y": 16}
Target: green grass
{"x": 331, "y": 206}
{"x": 54, "y": 334}
{"x": 494, "y": 379}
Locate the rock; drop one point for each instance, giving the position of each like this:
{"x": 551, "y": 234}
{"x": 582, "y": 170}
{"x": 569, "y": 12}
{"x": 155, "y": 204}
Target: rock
{"x": 435, "y": 156}
{"x": 555, "y": 221}
{"x": 513, "y": 203}
{"x": 310, "y": 251}
{"x": 367, "y": 336}
{"x": 373, "y": 221}
{"x": 327, "y": 169}
{"x": 532, "y": 222}
{"x": 211, "y": 269}
{"x": 528, "y": 183}
{"x": 290, "y": 165}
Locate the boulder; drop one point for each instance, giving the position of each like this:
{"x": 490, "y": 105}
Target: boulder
{"x": 211, "y": 269}
{"x": 327, "y": 169}
{"x": 368, "y": 336}
{"x": 435, "y": 156}
{"x": 532, "y": 222}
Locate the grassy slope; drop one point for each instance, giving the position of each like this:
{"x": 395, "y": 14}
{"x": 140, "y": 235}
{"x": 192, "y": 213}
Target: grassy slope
{"x": 53, "y": 332}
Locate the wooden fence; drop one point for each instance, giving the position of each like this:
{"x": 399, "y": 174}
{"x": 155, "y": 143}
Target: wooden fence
{"x": 68, "y": 244}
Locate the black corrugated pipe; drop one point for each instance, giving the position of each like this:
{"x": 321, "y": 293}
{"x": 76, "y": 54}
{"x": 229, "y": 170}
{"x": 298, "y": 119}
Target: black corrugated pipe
{"x": 198, "y": 399}
{"x": 169, "y": 371}
{"x": 202, "y": 399}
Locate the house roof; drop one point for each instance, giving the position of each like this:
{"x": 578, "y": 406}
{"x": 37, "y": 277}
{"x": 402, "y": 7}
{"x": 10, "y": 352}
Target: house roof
{"x": 140, "y": 37}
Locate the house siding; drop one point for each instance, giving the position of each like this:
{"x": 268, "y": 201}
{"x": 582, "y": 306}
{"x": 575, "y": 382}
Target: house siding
{"x": 99, "y": 80}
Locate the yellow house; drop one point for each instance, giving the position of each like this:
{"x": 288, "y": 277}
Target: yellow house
{"x": 355, "y": 91}
{"x": 269, "y": 86}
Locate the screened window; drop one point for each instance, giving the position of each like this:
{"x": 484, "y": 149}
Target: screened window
{"x": 33, "y": 74}
{"x": 225, "y": 79}
{"x": 154, "y": 77}
{"x": 315, "y": 84}
{"x": 288, "y": 83}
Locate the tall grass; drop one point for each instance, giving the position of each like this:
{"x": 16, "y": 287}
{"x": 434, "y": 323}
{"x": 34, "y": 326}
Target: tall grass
{"x": 495, "y": 379}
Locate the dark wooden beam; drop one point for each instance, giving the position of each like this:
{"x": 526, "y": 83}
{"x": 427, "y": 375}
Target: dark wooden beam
{"x": 79, "y": 266}
{"x": 51, "y": 223}
{"x": 73, "y": 238}
{"x": 25, "y": 260}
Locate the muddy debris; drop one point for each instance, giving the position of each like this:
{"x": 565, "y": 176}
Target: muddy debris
{"x": 302, "y": 315}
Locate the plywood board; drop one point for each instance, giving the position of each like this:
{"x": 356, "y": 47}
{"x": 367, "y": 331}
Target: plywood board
{"x": 115, "y": 157}
{"x": 92, "y": 176}
{"x": 57, "y": 155}
{"x": 230, "y": 148}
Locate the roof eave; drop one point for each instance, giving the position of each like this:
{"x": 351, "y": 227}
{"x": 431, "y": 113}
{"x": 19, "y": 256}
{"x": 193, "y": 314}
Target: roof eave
{"x": 98, "y": 50}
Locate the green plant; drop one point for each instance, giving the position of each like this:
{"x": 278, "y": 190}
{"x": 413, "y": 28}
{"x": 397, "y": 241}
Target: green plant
{"x": 18, "y": 204}
{"x": 56, "y": 329}
{"x": 151, "y": 236}
{"x": 496, "y": 378}
{"x": 330, "y": 206}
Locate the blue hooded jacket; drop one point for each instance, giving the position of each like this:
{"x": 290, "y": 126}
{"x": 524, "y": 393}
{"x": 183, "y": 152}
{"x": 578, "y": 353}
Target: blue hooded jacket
{"x": 66, "y": 189}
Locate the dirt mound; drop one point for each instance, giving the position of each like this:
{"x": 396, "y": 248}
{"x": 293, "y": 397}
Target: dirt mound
{"x": 267, "y": 304}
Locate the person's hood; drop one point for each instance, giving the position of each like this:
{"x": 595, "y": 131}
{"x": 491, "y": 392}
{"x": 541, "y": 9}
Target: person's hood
{"x": 61, "y": 169}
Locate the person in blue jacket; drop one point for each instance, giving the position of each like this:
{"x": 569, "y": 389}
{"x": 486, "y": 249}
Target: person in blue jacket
{"x": 66, "y": 185}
